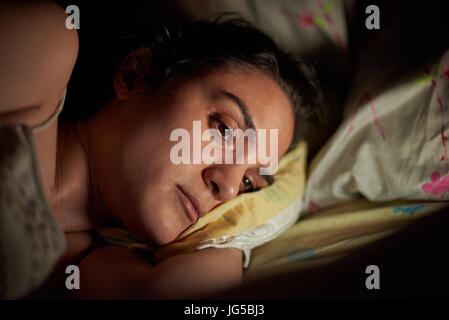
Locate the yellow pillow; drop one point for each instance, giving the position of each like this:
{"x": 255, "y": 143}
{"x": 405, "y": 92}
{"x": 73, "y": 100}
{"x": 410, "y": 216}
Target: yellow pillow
{"x": 246, "y": 211}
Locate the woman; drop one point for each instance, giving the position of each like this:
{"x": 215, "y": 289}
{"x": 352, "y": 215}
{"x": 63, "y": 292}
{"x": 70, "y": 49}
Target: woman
{"x": 115, "y": 165}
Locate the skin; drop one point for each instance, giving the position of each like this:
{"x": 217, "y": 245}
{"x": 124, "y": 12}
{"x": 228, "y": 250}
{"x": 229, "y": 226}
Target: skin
{"x": 26, "y": 42}
{"x": 115, "y": 165}
{"x": 192, "y": 274}
{"x": 133, "y": 134}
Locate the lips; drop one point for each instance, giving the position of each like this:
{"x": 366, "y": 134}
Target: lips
{"x": 191, "y": 204}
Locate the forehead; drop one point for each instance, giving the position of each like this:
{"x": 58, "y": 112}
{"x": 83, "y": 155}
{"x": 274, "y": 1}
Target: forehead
{"x": 267, "y": 103}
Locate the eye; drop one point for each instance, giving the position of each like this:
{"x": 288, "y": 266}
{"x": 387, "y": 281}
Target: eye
{"x": 247, "y": 184}
{"x": 222, "y": 127}
{"x": 217, "y": 122}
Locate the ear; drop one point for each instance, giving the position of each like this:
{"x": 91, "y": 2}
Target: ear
{"x": 129, "y": 77}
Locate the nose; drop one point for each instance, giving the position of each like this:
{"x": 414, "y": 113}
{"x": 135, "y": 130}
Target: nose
{"x": 224, "y": 180}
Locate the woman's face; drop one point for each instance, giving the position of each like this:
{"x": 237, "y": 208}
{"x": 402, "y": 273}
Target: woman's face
{"x": 139, "y": 182}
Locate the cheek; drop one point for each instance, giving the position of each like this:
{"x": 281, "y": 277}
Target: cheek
{"x": 152, "y": 209}
{"x": 156, "y": 214}
{"x": 148, "y": 178}
{"x": 146, "y": 153}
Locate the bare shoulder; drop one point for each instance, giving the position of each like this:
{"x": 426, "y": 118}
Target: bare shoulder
{"x": 116, "y": 272}
{"x": 37, "y": 56}
{"x": 229, "y": 258}
{"x": 215, "y": 258}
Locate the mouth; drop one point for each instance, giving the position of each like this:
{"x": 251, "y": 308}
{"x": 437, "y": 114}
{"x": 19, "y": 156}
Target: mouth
{"x": 191, "y": 205}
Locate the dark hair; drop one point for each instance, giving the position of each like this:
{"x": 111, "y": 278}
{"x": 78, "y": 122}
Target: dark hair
{"x": 184, "y": 49}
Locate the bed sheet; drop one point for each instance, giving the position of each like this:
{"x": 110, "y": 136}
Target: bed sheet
{"x": 336, "y": 232}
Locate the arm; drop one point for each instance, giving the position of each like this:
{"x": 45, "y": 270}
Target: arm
{"x": 118, "y": 273}
{"x": 37, "y": 55}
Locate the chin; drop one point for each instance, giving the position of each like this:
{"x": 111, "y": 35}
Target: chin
{"x": 162, "y": 238}
{"x": 155, "y": 234}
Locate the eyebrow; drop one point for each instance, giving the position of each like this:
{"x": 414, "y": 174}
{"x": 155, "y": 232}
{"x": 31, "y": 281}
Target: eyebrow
{"x": 242, "y": 106}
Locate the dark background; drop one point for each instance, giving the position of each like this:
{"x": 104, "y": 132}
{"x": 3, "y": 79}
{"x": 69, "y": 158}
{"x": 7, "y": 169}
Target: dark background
{"x": 109, "y": 30}
{"x": 107, "y": 34}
